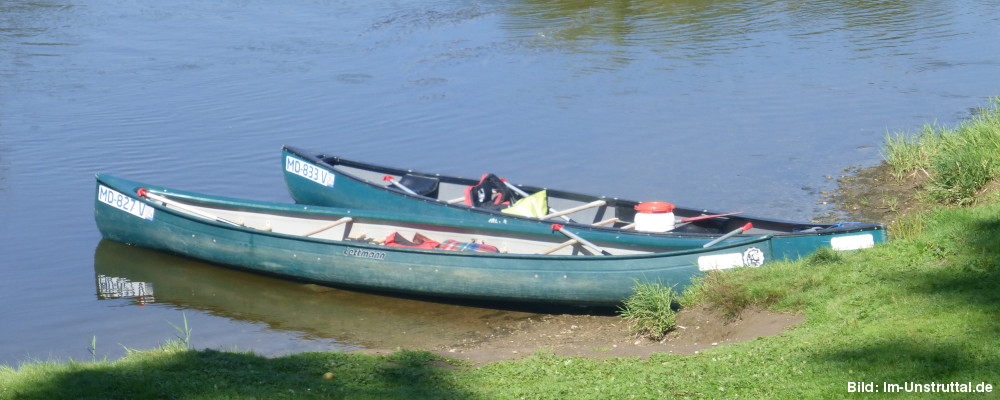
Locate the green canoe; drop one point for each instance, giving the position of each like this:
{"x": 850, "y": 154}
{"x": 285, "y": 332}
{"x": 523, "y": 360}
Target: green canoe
{"x": 341, "y": 247}
{"x": 314, "y": 178}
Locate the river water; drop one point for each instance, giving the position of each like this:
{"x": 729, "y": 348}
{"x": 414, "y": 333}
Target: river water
{"x": 728, "y": 105}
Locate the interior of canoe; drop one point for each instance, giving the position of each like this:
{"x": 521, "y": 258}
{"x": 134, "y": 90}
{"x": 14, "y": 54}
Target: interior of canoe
{"x": 563, "y": 206}
{"x": 388, "y": 233}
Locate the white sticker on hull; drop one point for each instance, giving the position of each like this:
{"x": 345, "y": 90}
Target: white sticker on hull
{"x": 125, "y": 203}
{"x": 854, "y": 242}
{"x": 309, "y": 171}
{"x": 751, "y": 257}
{"x": 720, "y": 261}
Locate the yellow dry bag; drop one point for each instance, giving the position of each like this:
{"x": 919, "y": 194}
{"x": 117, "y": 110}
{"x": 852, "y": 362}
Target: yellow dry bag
{"x": 536, "y": 205}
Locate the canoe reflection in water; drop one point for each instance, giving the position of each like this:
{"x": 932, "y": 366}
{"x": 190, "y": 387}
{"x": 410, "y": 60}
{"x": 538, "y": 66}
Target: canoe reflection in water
{"x": 352, "y": 318}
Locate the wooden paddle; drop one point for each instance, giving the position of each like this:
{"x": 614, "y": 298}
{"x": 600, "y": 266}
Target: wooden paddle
{"x": 741, "y": 229}
{"x": 585, "y": 242}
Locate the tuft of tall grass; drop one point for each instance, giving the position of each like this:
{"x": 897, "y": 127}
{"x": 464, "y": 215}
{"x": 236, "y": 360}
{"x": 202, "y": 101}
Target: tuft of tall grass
{"x": 906, "y": 155}
{"x": 721, "y": 291}
{"x": 185, "y": 333}
{"x": 959, "y": 162}
{"x": 911, "y": 226}
{"x": 649, "y": 310}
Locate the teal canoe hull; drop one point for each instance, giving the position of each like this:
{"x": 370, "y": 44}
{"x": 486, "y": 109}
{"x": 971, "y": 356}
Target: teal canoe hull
{"x": 313, "y": 179}
{"x": 567, "y": 279}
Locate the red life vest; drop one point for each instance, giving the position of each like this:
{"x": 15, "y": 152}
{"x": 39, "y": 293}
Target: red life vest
{"x": 491, "y": 192}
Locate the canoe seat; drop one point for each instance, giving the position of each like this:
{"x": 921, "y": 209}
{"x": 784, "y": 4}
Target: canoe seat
{"x": 422, "y": 185}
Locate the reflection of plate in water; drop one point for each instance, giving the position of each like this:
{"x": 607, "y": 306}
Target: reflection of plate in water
{"x": 114, "y": 287}
{"x": 365, "y": 319}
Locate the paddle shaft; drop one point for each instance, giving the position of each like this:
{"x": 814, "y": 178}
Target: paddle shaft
{"x": 399, "y": 185}
{"x": 701, "y": 217}
{"x": 585, "y": 242}
{"x": 142, "y": 192}
{"x": 735, "y": 232}
{"x": 516, "y": 189}
{"x": 689, "y": 220}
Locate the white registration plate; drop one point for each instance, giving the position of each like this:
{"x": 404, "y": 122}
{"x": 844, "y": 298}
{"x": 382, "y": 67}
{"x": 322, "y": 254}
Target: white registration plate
{"x": 125, "y": 203}
{"x": 309, "y": 171}
{"x": 854, "y": 242}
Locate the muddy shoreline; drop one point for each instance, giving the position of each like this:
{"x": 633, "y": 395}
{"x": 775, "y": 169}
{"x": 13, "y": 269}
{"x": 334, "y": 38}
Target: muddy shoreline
{"x": 604, "y": 336}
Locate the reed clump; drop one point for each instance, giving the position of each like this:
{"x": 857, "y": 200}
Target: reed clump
{"x": 958, "y": 163}
{"x": 650, "y": 310}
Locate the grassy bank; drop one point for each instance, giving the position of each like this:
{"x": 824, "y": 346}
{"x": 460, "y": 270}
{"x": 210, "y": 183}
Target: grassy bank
{"x": 957, "y": 163}
{"x": 921, "y": 309}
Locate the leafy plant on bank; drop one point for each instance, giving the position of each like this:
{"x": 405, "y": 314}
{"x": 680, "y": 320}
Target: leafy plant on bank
{"x": 185, "y": 332}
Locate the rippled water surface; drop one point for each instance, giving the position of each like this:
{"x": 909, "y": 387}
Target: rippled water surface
{"x": 727, "y": 105}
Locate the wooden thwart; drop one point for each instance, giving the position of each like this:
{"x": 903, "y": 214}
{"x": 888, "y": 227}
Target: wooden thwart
{"x": 330, "y": 225}
{"x": 608, "y": 221}
{"x": 559, "y": 246}
{"x": 592, "y": 204}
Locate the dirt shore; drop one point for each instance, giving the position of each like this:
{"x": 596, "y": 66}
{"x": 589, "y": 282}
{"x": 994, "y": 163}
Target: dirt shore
{"x": 608, "y": 336}
{"x": 874, "y": 194}
{"x": 600, "y": 336}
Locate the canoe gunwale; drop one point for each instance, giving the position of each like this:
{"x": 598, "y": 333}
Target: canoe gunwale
{"x": 223, "y": 202}
{"x": 324, "y": 161}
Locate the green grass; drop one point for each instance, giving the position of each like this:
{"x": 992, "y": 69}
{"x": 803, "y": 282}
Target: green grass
{"x": 649, "y": 310}
{"x": 957, "y": 162}
{"x": 922, "y": 308}
{"x": 174, "y": 372}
